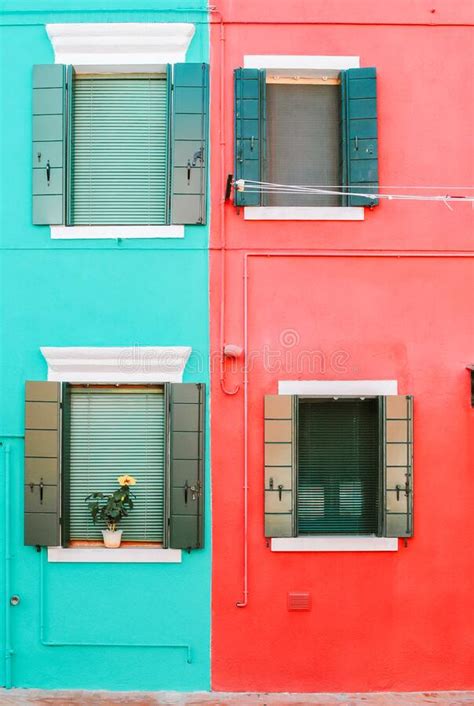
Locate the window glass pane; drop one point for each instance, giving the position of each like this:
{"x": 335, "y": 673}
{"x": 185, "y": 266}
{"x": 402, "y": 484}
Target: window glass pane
{"x": 303, "y": 141}
{"x": 338, "y": 466}
{"x": 120, "y": 151}
{"x": 112, "y": 434}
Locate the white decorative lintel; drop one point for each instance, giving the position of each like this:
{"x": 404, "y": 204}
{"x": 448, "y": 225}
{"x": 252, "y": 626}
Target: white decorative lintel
{"x": 308, "y": 66}
{"x": 94, "y": 45}
{"x": 126, "y": 364}
{"x": 338, "y": 388}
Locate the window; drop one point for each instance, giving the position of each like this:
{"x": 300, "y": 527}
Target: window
{"x": 114, "y": 431}
{"x": 305, "y": 128}
{"x": 79, "y": 438}
{"x": 120, "y": 149}
{"x": 338, "y": 466}
{"x": 301, "y": 149}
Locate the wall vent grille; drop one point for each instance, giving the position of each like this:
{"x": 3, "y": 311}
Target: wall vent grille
{"x": 298, "y": 600}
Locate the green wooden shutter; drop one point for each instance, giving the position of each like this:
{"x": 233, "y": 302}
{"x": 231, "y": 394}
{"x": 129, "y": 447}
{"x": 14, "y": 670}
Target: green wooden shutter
{"x": 279, "y": 465}
{"x": 70, "y": 77}
{"x": 249, "y": 132}
{"x": 116, "y": 432}
{"x": 49, "y": 144}
{"x": 190, "y": 143}
{"x": 397, "y": 431}
{"x": 186, "y": 465}
{"x": 120, "y": 138}
{"x": 42, "y": 463}
{"x": 359, "y": 134}
{"x": 338, "y": 466}
{"x": 65, "y": 462}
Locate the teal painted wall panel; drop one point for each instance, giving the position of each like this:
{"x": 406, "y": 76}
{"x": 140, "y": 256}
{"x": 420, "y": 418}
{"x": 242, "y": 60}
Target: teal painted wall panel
{"x": 97, "y": 293}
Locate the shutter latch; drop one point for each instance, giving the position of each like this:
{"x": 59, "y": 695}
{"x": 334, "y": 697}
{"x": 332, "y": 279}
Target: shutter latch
{"x": 41, "y": 489}
{"x": 195, "y": 491}
{"x": 271, "y": 484}
{"x": 399, "y": 489}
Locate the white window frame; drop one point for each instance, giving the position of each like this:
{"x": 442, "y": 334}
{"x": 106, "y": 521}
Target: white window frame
{"x": 124, "y": 47}
{"x": 340, "y": 543}
{"x": 311, "y": 67}
{"x": 126, "y": 364}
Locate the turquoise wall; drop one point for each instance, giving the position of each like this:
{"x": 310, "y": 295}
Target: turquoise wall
{"x": 97, "y": 293}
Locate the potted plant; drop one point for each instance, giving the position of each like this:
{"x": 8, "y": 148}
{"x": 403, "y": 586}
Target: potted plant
{"x": 109, "y": 508}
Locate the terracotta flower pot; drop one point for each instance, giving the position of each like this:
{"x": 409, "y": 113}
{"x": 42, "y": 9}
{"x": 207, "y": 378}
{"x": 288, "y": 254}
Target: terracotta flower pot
{"x": 112, "y": 538}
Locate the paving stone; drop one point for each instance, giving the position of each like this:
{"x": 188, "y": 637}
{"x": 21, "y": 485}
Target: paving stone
{"x": 37, "y": 697}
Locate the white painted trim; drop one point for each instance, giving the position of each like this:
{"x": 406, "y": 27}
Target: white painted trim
{"x": 117, "y": 45}
{"x": 303, "y": 213}
{"x": 334, "y": 544}
{"x": 338, "y": 388}
{"x": 115, "y": 232}
{"x": 304, "y": 66}
{"x": 124, "y": 555}
{"x": 130, "y": 364}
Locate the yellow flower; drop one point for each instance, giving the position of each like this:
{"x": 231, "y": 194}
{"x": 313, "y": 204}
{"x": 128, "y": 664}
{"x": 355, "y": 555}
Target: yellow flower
{"x": 126, "y": 480}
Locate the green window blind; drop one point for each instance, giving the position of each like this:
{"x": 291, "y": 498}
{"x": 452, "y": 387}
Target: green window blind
{"x": 120, "y": 151}
{"x": 338, "y": 466}
{"x": 113, "y": 433}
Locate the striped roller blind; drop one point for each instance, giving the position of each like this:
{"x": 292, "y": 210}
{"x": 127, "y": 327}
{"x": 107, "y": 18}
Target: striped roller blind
{"x": 113, "y": 433}
{"x": 338, "y": 466}
{"x": 120, "y": 151}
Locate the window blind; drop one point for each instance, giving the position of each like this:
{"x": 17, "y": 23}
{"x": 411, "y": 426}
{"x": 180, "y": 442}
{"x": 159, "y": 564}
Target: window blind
{"x": 303, "y": 142}
{"x": 114, "y": 433}
{"x": 119, "y": 151}
{"x": 338, "y": 466}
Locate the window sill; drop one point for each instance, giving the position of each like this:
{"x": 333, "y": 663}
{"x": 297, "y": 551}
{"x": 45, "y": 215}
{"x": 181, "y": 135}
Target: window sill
{"x": 115, "y": 232}
{"x": 335, "y": 544}
{"x": 303, "y": 213}
{"x": 124, "y": 555}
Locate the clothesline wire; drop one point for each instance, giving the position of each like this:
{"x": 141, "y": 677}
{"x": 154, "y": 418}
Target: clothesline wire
{"x": 342, "y": 186}
{"x": 253, "y": 186}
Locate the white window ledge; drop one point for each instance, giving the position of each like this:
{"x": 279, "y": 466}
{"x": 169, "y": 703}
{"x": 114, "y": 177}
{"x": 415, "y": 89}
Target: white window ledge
{"x": 115, "y": 232}
{"x": 124, "y": 555}
{"x": 303, "y": 213}
{"x": 110, "y": 46}
{"x": 126, "y": 364}
{"x": 335, "y": 544}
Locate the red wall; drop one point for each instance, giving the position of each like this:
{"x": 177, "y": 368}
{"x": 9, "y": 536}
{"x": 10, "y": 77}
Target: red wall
{"x": 387, "y": 298}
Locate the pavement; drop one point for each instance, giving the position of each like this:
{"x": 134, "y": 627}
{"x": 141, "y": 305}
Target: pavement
{"x": 39, "y": 697}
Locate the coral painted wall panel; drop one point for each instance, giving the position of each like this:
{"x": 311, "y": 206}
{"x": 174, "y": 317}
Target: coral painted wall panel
{"x": 389, "y": 297}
